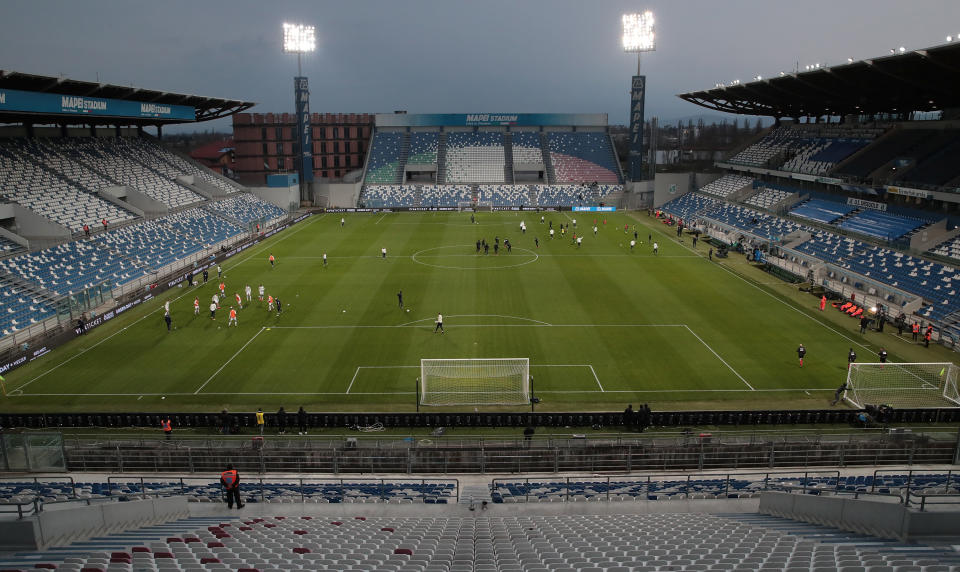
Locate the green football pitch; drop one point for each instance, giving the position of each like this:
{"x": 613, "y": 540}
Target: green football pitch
{"x": 602, "y": 324}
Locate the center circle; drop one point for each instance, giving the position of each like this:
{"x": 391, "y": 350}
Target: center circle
{"x": 466, "y": 253}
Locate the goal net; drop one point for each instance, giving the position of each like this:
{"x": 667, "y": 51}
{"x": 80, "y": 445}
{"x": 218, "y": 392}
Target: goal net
{"x": 903, "y": 384}
{"x": 496, "y": 381}
{"x": 465, "y": 206}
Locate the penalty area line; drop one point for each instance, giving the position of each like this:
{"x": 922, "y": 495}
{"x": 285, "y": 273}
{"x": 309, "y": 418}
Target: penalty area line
{"x": 706, "y": 345}
{"x": 209, "y": 379}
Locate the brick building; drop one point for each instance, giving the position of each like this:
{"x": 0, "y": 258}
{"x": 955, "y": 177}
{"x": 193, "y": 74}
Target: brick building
{"x": 264, "y": 144}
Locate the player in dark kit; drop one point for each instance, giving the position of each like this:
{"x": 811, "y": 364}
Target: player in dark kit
{"x": 400, "y": 298}
{"x": 882, "y": 354}
{"x": 851, "y": 357}
{"x": 801, "y": 351}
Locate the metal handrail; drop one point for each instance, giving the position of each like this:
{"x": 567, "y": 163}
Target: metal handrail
{"x": 688, "y": 479}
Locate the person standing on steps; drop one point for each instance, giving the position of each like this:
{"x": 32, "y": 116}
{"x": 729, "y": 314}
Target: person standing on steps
{"x": 230, "y": 479}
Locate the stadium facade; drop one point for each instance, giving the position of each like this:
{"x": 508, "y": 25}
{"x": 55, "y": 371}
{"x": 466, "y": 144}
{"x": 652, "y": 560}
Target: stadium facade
{"x": 265, "y": 144}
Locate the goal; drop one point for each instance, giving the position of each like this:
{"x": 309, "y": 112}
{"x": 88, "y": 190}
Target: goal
{"x": 903, "y": 384}
{"x": 492, "y": 381}
{"x": 466, "y": 206}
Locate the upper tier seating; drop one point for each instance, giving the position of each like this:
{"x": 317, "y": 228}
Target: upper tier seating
{"x": 183, "y": 166}
{"x": 767, "y": 197}
{"x": 247, "y": 208}
{"x": 53, "y": 156}
{"x": 900, "y": 144}
{"x": 822, "y": 210}
{"x": 24, "y": 182}
{"x": 939, "y": 168}
{"x": 882, "y": 224}
{"x": 583, "y": 157}
{"x": 72, "y": 267}
{"x": 387, "y": 196}
{"x": 726, "y": 185}
{"x": 444, "y": 195}
{"x": 103, "y": 155}
{"x": 475, "y": 157}
{"x": 383, "y": 166}
{"x": 809, "y": 149}
{"x": 818, "y": 155}
{"x": 526, "y": 148}
{"x": 767, "y": 148}
{"x": 423, "y": 148}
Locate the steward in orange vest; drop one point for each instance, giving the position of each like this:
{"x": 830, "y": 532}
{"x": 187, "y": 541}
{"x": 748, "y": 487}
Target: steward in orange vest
{"x": 230, "y": 479}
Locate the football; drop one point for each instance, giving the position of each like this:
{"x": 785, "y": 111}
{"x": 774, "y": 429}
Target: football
{"x": 408, "y": 309}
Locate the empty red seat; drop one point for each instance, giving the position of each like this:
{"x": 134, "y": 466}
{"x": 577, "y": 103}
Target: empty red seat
{"x": 246, "y": 528}
{"x": 301, "y": 550}
{"x": 336, "y": 523}
{"x": 214, "y": 544}
{"x": 406, "y": 551}
{"x": 209, "y": 560}
{"x": 360, "y": 518}
{"x": 174, "y": 539}
{"x": 46, "y": 565}
{"x": 157, "y": 555}
{"x": 299, "y": 531}
{"x": 386, "y": 529}
{"x": 189, "y": 540}
{"x": 119, "y": 555}
{"x": 140, "y": 549}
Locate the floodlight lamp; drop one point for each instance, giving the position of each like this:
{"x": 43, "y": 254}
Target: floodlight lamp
{"x": 299, "y": 38}
{"x": 902, "y": 49}
{"x": 638, "y": 32}
{"x": 949, "y": 38}
{"x": 849, "y": 60}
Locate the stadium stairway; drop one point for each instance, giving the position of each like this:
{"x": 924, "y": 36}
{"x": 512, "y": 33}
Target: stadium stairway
{"x": 870, "y": 547}
{"x": 475, "y": 494}
{"x": 547, "y": 161}
{"x": 118, "y": 542}
{"x": 508, "y": 158}
{"x": 442, "y": 158}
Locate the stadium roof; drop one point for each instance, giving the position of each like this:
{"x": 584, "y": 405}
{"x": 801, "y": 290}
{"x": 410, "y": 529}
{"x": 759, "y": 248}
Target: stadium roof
{"x": 911, "y": 80}
{"x": 207, "y": 108}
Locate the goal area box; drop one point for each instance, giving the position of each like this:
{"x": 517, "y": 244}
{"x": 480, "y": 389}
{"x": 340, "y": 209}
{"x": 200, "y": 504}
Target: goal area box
{"x": 491, "y": 381}
{"x": 902, "y": 384}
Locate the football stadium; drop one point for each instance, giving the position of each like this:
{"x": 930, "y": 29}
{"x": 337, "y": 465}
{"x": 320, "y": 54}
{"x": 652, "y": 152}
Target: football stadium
{"x": 371, "y": 331}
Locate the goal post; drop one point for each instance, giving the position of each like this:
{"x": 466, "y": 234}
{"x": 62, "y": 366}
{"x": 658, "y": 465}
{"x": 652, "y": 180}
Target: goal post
{"x": 903, "y": 384}
{"x": 488, "y": 381}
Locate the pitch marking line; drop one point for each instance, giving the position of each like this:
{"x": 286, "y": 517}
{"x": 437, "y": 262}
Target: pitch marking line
{"x": 481, "y": 316}
{"x": 788, "y": 304}
{"x": 572, "y": 391}
{"x": 706, "y": 345}
{"x": 381, "y": 218}
{"x": 283, "y": 237}
{"x": 357, "y": 372}
{"x": 209, "y": 379}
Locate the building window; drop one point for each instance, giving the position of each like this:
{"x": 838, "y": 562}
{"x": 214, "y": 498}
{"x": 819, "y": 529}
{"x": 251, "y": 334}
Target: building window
{"x": 281, "y": 164}
{"x": 263, "y": 133}
{"x": 336, "y": 132}
{"x": 279, "y": 148}
{"x": 264, "y": 150}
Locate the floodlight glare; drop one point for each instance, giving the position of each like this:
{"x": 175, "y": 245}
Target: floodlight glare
{"x": 299, "y": 38}
{"x": 638, "y": 32}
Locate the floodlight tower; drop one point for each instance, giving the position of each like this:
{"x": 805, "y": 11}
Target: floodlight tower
{"x": 301, "y": 39}
{"x": 638, "y": 37}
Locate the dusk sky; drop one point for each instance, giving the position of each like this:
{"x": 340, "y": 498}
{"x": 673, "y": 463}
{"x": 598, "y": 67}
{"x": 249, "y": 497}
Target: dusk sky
{"x": 449, "y": 56}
